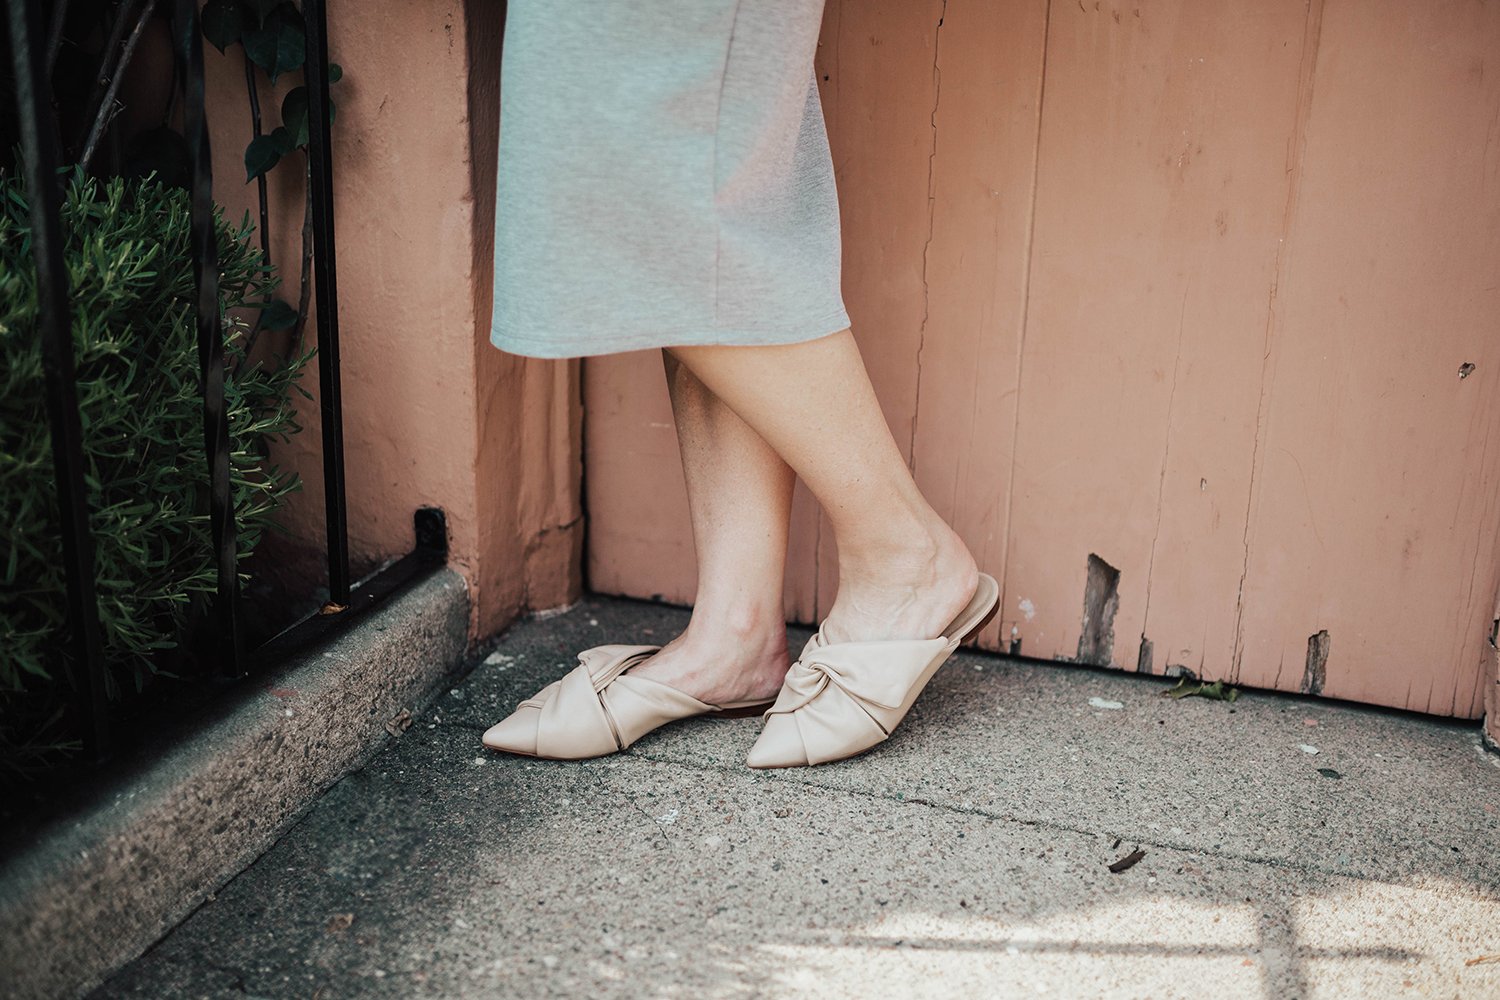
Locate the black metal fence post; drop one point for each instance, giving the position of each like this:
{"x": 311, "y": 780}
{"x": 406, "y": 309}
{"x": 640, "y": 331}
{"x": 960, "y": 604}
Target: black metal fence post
{"x": 205, "y": 251}
{"x": 39, "y": 142}
{"x": 320, "y": 164}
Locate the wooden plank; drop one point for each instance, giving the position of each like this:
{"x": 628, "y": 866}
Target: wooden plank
{"x": 1160, "y": 196}
{"x": 982, "y": 174}
{"x": 1377, "y": 492}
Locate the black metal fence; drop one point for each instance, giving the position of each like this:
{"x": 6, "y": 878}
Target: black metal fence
{"x": 38, "y": 133}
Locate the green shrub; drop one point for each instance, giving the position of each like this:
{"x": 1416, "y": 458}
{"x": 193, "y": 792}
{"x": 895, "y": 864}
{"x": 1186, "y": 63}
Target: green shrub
{"x": 135, "y": 349}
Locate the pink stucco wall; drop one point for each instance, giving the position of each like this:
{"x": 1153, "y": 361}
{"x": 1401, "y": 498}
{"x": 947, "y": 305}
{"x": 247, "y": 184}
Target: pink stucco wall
{"x": 433, "y": 414}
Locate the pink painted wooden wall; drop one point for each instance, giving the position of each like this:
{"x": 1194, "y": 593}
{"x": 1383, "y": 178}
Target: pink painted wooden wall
{"x": 1177, "y": 288}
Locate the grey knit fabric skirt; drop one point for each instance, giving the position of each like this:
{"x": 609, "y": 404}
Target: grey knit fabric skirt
{"x": 664, "y": 178}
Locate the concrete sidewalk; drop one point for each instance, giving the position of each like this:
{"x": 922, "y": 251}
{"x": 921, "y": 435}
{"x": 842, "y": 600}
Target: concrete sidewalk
{"x": 1293, "y": 848}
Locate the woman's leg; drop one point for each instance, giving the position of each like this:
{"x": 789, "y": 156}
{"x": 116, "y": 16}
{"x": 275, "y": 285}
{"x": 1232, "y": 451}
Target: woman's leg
{"x": 903, "y": 573}
{"x": 740, "y": 496}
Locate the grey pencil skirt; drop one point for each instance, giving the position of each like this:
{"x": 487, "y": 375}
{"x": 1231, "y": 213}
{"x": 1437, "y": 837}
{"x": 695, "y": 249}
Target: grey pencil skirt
{"x": 664, "y": 178}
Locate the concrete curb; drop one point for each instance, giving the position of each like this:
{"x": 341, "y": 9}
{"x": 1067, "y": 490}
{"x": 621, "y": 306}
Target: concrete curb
{"x": 93, "y": 890}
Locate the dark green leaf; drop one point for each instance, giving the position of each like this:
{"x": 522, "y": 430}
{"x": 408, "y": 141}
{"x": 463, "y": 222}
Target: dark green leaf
{"x": 223, "y": 22}
{"x": 261, "y": 155}
{"x": 279, "y": 44}
{"x": 278, "y": 316}
{"x": 283, "y": 140}
{"x": 294, "y": 115}
{"x": 1189, "y": 687}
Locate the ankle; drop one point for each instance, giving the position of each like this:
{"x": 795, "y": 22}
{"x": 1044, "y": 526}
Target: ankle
{"x": 746, "y": 629}
{"x": 924, "y": 553}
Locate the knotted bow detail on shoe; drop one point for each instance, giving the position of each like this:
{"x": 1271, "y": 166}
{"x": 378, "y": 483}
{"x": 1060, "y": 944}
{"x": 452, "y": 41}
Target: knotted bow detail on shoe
{"x": 842, "y": 694}
{"x": 876, "y": 673}
{"x": 594, "y": 709}
{"x": 842, "y": 698}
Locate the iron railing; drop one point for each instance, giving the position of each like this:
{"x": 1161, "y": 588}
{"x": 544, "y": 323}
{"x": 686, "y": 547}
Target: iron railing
{"x": 38, "y": 132}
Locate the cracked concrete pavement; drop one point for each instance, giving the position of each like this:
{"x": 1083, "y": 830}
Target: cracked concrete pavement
{"x": 1292, "y": 848}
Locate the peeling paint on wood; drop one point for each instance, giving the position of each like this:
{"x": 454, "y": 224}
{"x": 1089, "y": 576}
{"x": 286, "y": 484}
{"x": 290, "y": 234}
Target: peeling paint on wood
{"x": 1101, "y": 599}
{"x": 1317, "y": 663}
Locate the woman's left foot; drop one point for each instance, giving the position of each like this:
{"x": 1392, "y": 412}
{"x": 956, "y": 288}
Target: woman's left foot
{"x": 721, "y": 664}
{"x": 597, "y": 708}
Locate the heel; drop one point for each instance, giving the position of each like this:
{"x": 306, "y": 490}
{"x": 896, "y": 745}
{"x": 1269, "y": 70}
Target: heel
{"x": 744, "y": 710}
{"x": 973, "y": 633}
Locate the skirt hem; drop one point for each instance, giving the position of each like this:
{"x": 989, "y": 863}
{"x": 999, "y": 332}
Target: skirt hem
{"x": 549, "y": 346}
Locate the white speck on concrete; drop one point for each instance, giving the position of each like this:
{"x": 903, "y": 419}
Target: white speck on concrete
{"x": 1307, "y": 748}
{"x": 499, "y": 660}
{"x": 668, "y": 818}
{"x": 1106, "y": 703}
{"x": 480, "y": 762}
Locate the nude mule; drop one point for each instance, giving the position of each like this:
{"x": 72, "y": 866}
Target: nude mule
{"x": 598, "y": 708}
{"x": 840, "y": 699}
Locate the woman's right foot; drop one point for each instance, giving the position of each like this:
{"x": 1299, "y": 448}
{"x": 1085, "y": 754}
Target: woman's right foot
{"x": 910, "y": 590}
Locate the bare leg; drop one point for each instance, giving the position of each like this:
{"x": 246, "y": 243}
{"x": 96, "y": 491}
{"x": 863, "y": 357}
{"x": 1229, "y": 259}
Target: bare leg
{"x": 740, "y": 495}
{"x": 903, "y": 573}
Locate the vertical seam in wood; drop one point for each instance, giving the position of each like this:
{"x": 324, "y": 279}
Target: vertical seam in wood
{"x": 1296, "y": 156}
{"x": 1461, "y": 634}
{"x": 1166, "y": 451}
{"x": 1015, "y": 430}
{"x": 937, "y": 91}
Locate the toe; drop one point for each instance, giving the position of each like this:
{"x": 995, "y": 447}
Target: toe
{"x": 516, "y": 733}
{"x": 780, "y": 745}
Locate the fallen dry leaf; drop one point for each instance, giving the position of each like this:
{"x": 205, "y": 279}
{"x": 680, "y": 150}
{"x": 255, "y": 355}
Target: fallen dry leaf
{"x": 1128, "y": 861}
{"x": 339, "y": 922}
{"x": 399, "y": 723}
{"x": 1189, "y": 687}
